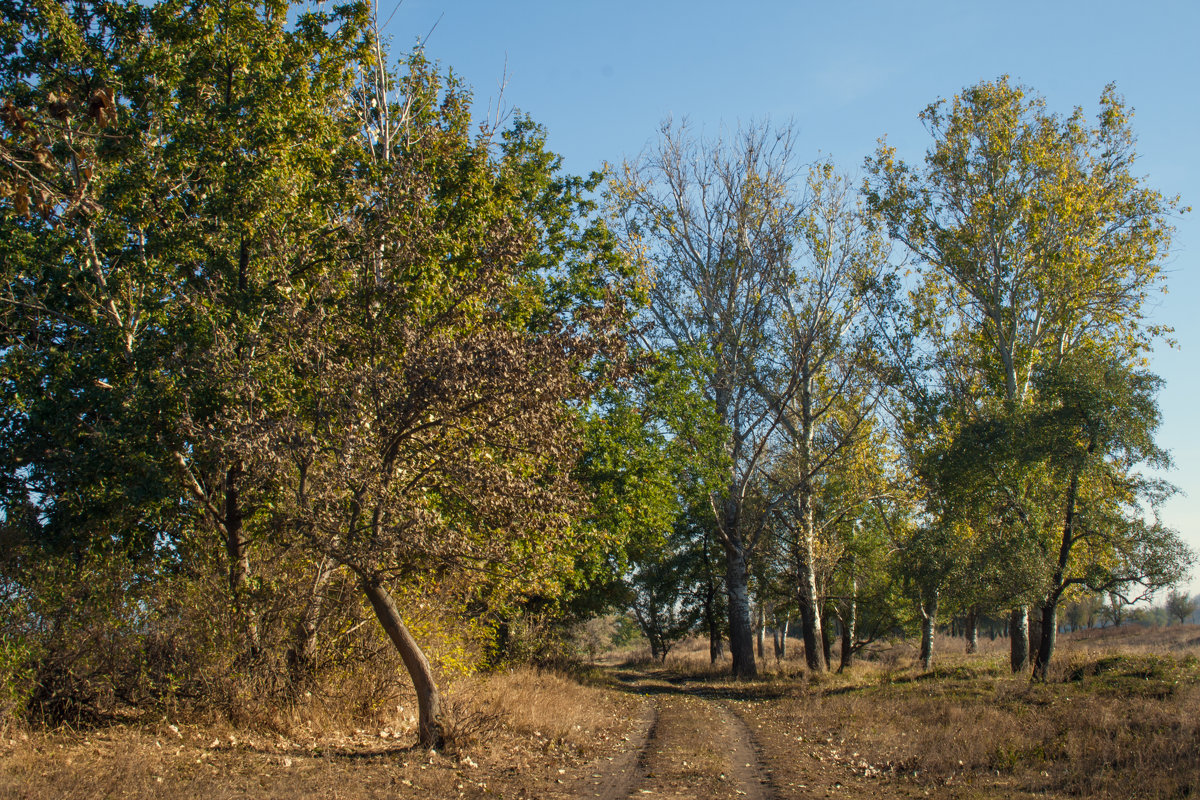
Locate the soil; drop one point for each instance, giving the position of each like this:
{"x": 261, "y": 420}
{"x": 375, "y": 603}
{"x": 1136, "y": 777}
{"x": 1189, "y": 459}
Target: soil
{"x": 709, "y": 740}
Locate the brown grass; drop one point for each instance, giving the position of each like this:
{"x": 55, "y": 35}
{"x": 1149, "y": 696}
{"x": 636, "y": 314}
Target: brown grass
{"x": 1117, "y": 718}
{"x": 513, "y": 732}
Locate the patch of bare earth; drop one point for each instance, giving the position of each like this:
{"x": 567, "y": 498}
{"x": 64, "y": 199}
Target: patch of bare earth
{"x": 695, "y": 747}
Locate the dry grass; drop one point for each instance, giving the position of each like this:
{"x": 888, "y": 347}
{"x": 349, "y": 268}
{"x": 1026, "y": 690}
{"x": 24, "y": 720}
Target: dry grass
{"x": 1117, "y": 718}
{"x": 514, "y": 733}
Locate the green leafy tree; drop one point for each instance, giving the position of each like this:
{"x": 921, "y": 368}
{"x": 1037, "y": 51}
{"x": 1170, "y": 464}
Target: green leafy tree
{"x": 664, "y": 597}
{"x": 1096, "y": 428}
{"x": 1033, "y": 232}
{"x": 158, "y": 171}
{"x": 257, "y": 284}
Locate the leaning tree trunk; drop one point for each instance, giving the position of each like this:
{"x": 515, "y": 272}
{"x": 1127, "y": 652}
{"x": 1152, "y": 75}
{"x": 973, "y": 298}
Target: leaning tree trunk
{"x": 929, "y": 612}
{"x": 1050, "y": 609}
{"x": 430, "y": 731}
{"x": 1018, "y": 632}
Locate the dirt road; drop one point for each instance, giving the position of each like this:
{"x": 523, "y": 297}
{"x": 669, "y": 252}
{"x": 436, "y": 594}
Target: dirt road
{"x": 687, "y": 744}
{"x": 697, "y": 739}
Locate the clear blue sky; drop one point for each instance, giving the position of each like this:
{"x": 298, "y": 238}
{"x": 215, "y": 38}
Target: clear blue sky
{"x": 602, "y": 76}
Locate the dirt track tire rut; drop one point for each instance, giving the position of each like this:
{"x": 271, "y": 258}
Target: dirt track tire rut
{"x": 692, "y": 745}
{"x": 749, "y": 766}
{"x": 618, "y": 778}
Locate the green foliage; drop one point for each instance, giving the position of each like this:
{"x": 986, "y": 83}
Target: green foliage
{"x": 258, "y": 286}
{"x": 1038, "y": 248}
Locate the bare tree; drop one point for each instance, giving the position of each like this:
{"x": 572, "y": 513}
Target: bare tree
{"x": 714, "y": 220}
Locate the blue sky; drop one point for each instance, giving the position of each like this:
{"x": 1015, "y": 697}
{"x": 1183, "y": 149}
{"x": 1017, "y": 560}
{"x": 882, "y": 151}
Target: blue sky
{"x": 602, "y": 76}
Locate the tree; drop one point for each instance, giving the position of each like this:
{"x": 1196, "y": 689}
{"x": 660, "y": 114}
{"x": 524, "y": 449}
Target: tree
{"x": 664, "y": 595}
{"x": 1032, "y": 230}
{"x": 980, "y": 486}
{"x": 1179, "y": 605}
{"x": 824, "y": 369}
{"x": 152, "y": 163}
{"x": 859, "y": 586}
{"x": 1096, "y": 425}
{"x": 418, "y": 415}
{"x": 714, "y": 222}
{"x": 296, "y": 299}
{"x": 1116, "y": 609}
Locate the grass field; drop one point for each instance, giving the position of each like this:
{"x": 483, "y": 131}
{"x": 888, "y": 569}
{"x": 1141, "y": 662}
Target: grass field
{"x": 1119, "y": 718}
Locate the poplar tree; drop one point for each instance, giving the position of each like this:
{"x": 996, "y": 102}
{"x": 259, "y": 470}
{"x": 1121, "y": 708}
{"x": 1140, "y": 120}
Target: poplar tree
{"x": 1035, "y": 239}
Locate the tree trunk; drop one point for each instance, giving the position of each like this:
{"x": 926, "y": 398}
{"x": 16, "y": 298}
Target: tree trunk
{"x": 300, "y": 657}
{"x": 929, "y": 611}
{"x": 972, "y": 631}
{"x": 1049, "y": 629}
{"x": 716, "y": 648}
{"x": 849, "y": 623}
{"x": 849, "y": 617}
{"x": 737, "y": 590}
{"x": 810, "y": 621}
{"x": 1018, "y": 632}
{"x": 1035, "y": 633}
{"x": 716, "y": 644}
{"x": 430, "y": 731}
{"x": 741, "y": 634}
{"x": 780, "y": 636}
{"x": 810, "y": 612}
{"x": 761, "y": 632}
{"x": 827, "y": 633}
{"x": 238, "y": 554}
{"x": 1049, "y": 634}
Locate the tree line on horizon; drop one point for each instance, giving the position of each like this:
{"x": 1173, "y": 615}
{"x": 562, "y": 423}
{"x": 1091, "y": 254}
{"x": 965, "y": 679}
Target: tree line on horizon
{"x": 300, "y": 360}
